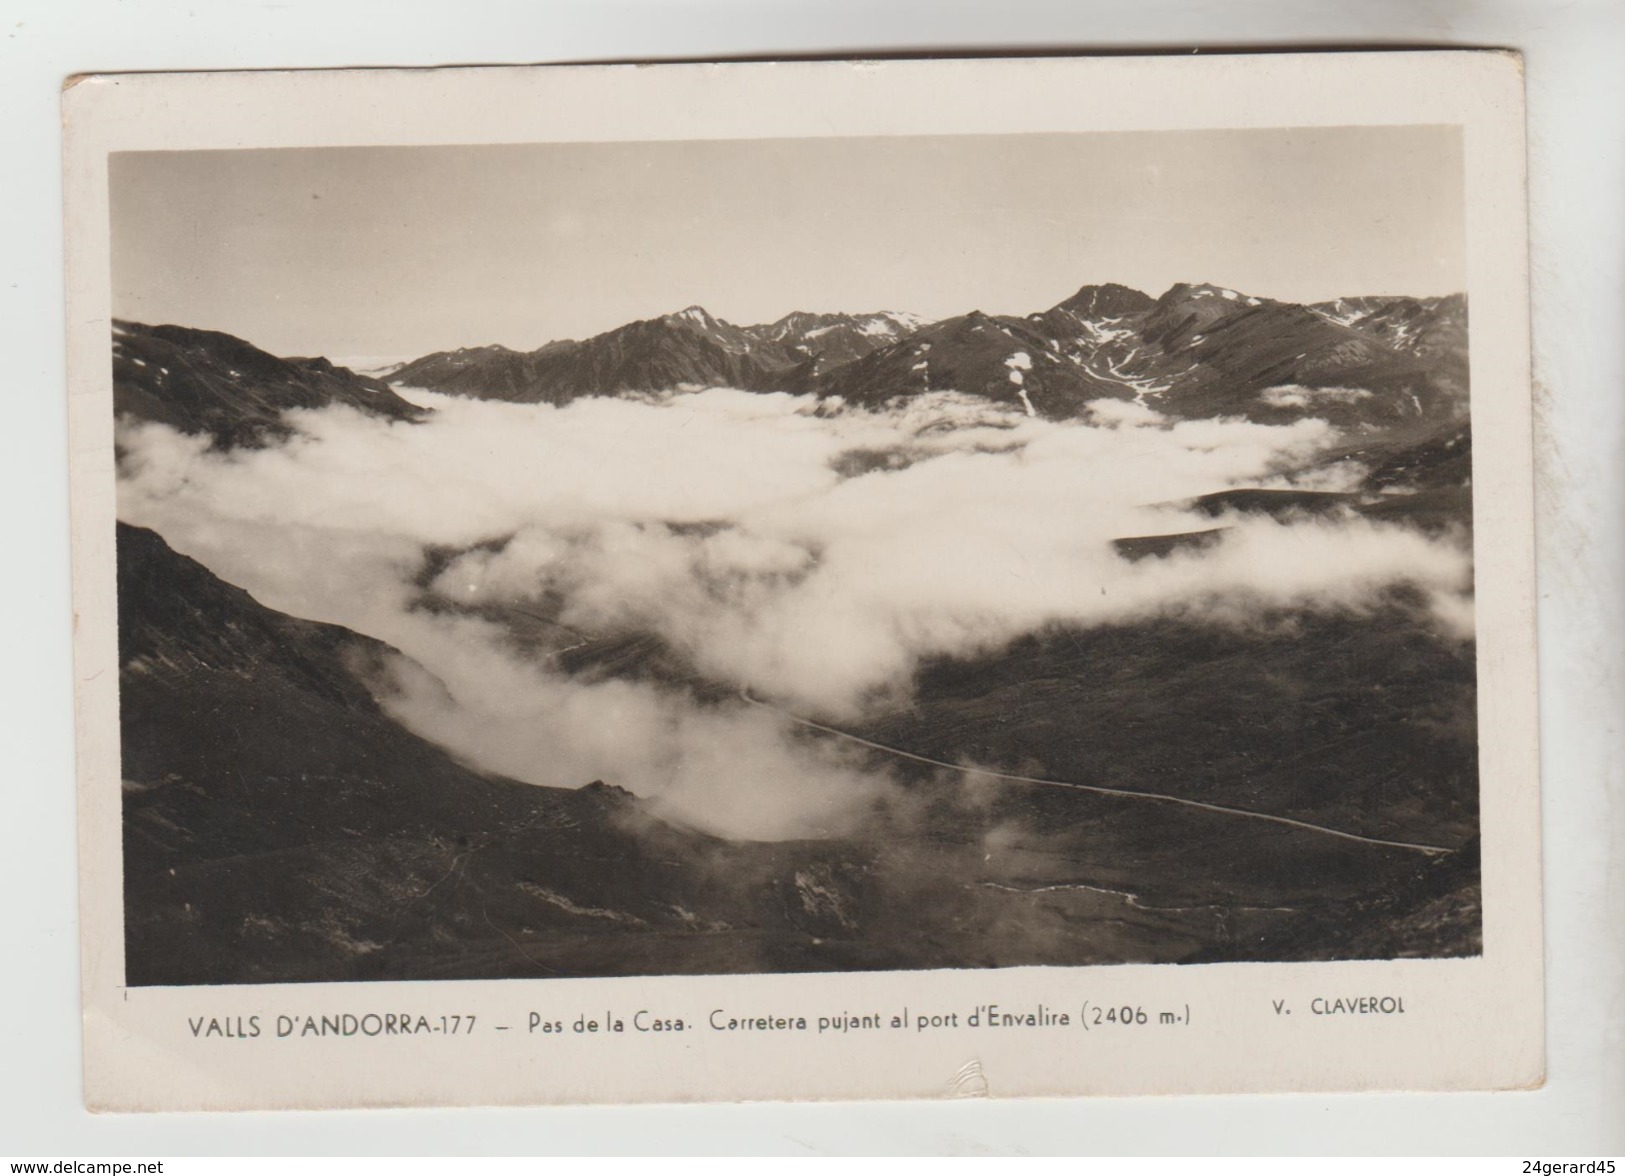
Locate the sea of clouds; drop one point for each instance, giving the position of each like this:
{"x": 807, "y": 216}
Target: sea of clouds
{"x": 798, "y": 554}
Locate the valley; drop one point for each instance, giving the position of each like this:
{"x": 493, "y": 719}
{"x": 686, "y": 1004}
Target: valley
{"x": 520, "y": 724}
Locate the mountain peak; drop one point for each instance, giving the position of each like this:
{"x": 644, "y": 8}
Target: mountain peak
{"x": 806, "y": 324}
{"x": 697, "y": 315}
{"x": 1190, "y": 291}
{"x": 1109, "y": 300}
{"x": 905, "y": 320}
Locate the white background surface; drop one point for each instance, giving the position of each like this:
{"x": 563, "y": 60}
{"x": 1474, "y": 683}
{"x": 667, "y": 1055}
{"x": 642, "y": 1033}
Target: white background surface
{"x": 1577, "y": 143}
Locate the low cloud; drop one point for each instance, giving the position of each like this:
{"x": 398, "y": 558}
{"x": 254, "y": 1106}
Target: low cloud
{"x": 780, "y": 550}
{"x": 1301, "y": 396}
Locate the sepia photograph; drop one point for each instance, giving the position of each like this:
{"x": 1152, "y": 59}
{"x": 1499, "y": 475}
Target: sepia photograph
{"x": 898, "y": 579}
{"x": 803, "y": 580}
{"x": 794, "y": 555}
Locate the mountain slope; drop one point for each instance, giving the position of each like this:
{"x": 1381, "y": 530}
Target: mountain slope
{"x": 214, "y": 383}
{"x": 651, "y": 355}
{"x": 279, "y": 825}
{"x": 1275, "y": 361}
{"x": 1014, "y": 361}
{"x": 1421, "y": 326}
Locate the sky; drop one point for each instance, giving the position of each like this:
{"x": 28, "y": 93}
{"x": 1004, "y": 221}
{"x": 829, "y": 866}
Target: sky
{"x": 399, "y": 251}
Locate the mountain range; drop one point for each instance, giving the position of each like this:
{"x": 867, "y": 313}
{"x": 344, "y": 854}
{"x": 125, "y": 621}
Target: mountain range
{"x": 1395, "y": 365}
{"x": 1197, "y": 351}
{"x": 690, "y": 348}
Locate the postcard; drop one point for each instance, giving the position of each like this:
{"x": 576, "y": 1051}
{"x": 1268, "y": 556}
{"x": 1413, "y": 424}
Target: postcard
{"x": 804, "y": 580}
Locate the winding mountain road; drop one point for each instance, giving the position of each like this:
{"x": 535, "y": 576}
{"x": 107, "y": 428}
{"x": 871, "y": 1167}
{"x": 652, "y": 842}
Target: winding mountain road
{"x": 1128, "y": 793}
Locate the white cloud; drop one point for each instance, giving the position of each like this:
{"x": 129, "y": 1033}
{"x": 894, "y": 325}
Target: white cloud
{"x": 733, "y": 526}
{"x": 1302, "y": 396}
